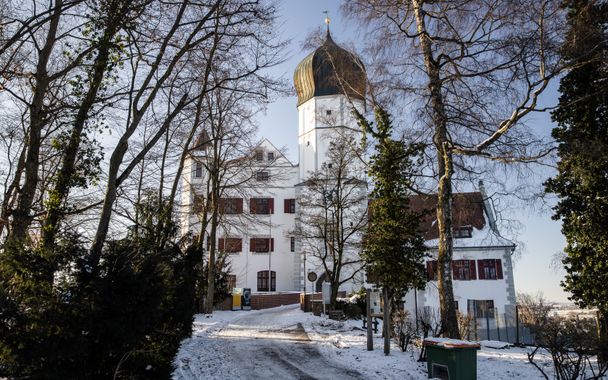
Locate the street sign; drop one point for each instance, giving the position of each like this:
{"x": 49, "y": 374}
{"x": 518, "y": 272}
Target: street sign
{"x": 247, "y": 299}
{"x": 326, "y": 293}
{"x": 375, "y": 305}
{"x": 312, "y": 276}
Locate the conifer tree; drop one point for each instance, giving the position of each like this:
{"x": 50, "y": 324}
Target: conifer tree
{"x": 582, "y": 133}
{"x": 394, "y": 247}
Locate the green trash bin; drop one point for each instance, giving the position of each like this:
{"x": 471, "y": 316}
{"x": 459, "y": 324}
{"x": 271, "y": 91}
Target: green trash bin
{"x": 451, "y": 359}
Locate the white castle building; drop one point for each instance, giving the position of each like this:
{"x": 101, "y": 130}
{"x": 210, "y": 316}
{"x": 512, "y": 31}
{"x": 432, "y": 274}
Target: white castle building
{"x": 259, "y": 218}
{"x": 262, "y": 218}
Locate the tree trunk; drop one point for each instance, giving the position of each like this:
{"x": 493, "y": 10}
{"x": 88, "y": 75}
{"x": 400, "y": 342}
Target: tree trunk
{"x": 10, "y": 195}
{"x": 67, "y": 170}
{"x": 114, "y": 180}
{"x": 449, "y": 322}
{"x": 386, "y": 321}
{"x": 209, "y": 297}
{"x": 21, "y": 215}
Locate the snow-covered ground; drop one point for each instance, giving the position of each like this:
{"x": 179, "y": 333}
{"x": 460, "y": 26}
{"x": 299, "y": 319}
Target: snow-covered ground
{"x": 272, "y": 344}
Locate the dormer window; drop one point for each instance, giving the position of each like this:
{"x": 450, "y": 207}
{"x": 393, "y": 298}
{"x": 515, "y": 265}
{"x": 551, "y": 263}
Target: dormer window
{"x": 270, "y": 156}
{"x": 463, "y": 232}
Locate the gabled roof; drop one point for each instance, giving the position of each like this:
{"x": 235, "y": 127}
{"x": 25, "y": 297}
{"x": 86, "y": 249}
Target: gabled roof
{"x": 468, "y": 211}
{"x": 266, "y": 144}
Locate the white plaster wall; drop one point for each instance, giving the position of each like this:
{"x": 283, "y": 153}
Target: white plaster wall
{"x": 279, "y": 225}
{"x": 312, "y": 248}
{"x": 496, "y": 290}
{"x": 317, "y": 128}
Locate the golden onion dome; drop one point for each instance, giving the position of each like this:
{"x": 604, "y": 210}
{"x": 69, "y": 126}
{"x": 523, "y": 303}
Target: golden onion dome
{"x": 330, "y": 70}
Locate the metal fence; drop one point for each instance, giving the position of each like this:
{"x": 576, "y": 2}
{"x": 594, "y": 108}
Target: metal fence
{"x": 500, "y": 327}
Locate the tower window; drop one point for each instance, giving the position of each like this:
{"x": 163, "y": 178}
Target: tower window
{"x": 198, "y": 170}
{"x": 328, "y": 112}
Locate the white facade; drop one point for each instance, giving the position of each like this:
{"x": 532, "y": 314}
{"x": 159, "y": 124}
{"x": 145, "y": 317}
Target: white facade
{"x": 322, "y": 119}
{"x": 482, "y": 274}
{"x": 259, "y": 226}
{"x": 256, "y": 222}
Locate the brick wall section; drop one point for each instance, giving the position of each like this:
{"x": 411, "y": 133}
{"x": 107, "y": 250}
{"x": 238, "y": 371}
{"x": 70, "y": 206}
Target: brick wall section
{"x": 305, "y": 306}
{"x": 266, "y": 301}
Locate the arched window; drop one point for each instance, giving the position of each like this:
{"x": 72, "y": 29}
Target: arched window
{"x": 263, "y": 281}
{"x": 319, "y": 284}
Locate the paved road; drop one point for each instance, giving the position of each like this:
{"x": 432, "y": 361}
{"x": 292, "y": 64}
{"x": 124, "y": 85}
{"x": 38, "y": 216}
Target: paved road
{"x": 255, "y": 347}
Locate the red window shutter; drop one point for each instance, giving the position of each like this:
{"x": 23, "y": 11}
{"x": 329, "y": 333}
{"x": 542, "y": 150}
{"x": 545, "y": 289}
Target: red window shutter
{"x": 271, "y": 205}
{"x": 480, "y": 265}
{"x": 239, "y": 245}
{"x": 271, "y": 244}
{"x": 286, "y": 206}
{"x": 222, "y": 205}
{"x": 472, "y": 270}
{"x": 498, "y": 263}
{"x": 221, "y": 244}
{"x": 455, "y": 271}
{"x": 239, "y": 206}
{"x": 252, "y": 206}
{"x": 429, "y": 270}
{"x": 251, "y": 245}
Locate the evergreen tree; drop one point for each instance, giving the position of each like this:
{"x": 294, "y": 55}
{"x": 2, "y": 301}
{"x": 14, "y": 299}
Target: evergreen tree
{"x": 394, "y": 247}
{"x": 59, "y": 320}
{"x": 582, "y": 133}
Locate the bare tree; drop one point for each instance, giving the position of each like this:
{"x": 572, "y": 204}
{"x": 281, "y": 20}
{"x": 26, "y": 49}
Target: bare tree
{"x": 229, "y": 29}
{"x": 477, "y": 69}
{"x": 333, "y": 215}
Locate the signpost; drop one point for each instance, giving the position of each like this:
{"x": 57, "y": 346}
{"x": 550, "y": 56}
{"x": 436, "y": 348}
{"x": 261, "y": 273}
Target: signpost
{"x": 312, "y": 277}
{"x": 326, "y": 294}
{"x": 247, "y": 299}
{"x": 370, "y": 336}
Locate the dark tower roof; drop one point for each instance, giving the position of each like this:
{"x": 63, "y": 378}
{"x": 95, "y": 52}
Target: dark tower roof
{"x": 329, "y": 70}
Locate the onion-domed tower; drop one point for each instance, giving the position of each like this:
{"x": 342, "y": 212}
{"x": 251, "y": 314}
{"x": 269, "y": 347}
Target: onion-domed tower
{"x": 329, "y": 82}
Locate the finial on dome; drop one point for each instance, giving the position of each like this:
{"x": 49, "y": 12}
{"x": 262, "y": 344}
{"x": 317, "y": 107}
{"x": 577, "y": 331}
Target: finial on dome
{"x": 327, "y": 20}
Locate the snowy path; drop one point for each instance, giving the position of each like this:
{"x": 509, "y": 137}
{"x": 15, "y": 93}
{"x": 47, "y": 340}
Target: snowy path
{"x": 265, "y": 344}
{"x": 285, "y": 343}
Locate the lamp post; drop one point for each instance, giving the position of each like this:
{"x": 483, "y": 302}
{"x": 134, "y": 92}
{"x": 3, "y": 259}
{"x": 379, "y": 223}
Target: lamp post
{"x": 270, "y": 247}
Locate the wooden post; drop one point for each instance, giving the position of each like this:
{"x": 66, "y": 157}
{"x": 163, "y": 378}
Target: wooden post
{"x": 488, "y": 323}
{"x": 386, "y": 326}
{"x": 370, "y": 336}
{"x": 497, "y": 326}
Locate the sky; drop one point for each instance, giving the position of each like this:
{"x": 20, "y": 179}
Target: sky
{"x": 541, "y": 236}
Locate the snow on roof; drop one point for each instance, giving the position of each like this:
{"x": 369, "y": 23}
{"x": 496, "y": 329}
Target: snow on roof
{"x": 450, "y": 343}
{"x": 484, "y": 237}
{"x": 468, "y": 212}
